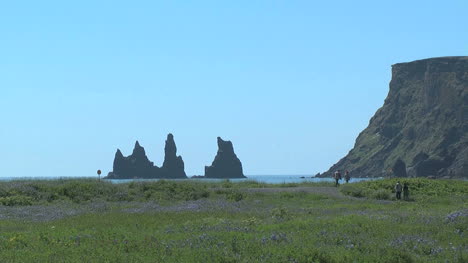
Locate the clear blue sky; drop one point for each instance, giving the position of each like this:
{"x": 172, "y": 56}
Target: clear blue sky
{"x": 291, "y": 83}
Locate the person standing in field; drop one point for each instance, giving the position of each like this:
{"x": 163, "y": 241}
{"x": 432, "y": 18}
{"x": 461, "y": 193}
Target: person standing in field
{"x": 346, "y": 176}
{"x": 337, "y": 176}
{"x": 405, "y": 192}
{"x": 398, "y": 189}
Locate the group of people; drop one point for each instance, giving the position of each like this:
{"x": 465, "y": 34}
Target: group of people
{"x": 399, "y": 189}
{"x": 337, "y": 177}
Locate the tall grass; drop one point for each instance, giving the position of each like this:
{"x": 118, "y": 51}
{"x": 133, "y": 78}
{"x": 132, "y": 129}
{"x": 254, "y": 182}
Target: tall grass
{"x": 421, "y": 188}
{"x": 241, "y": 226}
{"x": 28, "y": 192}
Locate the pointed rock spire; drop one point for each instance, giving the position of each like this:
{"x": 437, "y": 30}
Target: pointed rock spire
{"x": 118, "y": 154}
{"x": 119, "y": 161}
{"x": 225, "y": 147}
{"x": 137, "y": 165}
{"x": 226, "y": 164}
{"x": 138, "y": 150}
{"x": 170, "y": 149}
{"x": 173, "y": 165}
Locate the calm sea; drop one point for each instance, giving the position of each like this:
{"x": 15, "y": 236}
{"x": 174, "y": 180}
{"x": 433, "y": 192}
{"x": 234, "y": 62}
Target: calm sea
{"x": 272, "y": 179}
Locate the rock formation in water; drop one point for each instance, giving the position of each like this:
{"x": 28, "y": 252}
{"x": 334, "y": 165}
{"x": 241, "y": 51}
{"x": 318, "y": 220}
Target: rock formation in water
{"x": 423, "y": 122}
{"x": 173, "y": 165}
{"x": 137, "y": 164}
{"x": 226, "y": 164}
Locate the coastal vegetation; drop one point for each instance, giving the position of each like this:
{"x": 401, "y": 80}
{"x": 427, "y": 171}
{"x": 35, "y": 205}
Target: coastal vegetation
{"x": 191, "y": 221}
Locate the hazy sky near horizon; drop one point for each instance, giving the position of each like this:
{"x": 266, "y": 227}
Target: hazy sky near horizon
{"x": 290, "y": 83}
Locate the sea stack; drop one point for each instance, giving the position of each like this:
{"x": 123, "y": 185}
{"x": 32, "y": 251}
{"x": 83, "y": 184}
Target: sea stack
{"x": 173, "y": 166}
{"x": 138, "y": 166}
{"x": 226, "y": 164}
{"x": 423, "y": 124}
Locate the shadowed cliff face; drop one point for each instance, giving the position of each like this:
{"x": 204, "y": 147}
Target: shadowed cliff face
{"x": 423, "y": 122}
{"x": 137, "y": 165}
{"x": 226, "y": 164}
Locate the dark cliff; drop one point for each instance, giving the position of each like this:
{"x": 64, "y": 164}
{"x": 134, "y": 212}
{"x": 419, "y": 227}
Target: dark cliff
{"x": 421, "y": 128}
{"x": 137, "y": 165}
{"x": 173, "y": 165}
{"x": 226, "y": 164}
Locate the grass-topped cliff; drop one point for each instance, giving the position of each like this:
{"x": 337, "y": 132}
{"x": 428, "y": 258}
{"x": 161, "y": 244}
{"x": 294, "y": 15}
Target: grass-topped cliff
{"x": 423, "y": 123}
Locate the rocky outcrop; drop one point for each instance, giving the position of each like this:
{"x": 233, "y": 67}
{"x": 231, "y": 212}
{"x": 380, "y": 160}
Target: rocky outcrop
{"x": 137, "y": 165}
{"x": 173, "y": 165}
{"x": 423, "y": 122}
{"x": 226, "y": 164}
{"x": 399, "y": 168}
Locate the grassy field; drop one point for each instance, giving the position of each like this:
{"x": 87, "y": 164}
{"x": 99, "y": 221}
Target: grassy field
{"x": 165, "y": 221}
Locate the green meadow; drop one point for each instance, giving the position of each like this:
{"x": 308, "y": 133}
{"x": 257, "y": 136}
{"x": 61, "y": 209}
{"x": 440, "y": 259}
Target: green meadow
{"x": 184, "y": 221}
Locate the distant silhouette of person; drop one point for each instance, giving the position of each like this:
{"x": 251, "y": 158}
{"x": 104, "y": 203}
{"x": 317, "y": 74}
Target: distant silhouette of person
{"x": 347, "y": 177}
{"x": 398, "y": 189}
{"x": 405, "y": 192}
{"x": 337, "y": 177}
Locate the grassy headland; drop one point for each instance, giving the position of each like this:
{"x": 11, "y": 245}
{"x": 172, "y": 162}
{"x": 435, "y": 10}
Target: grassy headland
{"x": 187, "y": 221}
